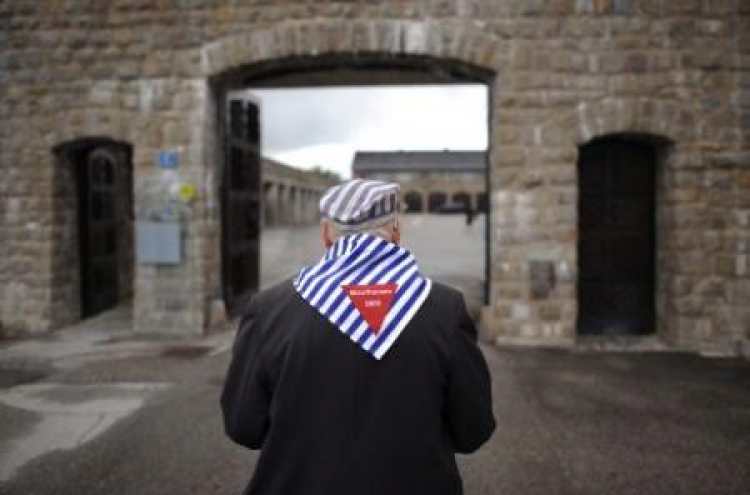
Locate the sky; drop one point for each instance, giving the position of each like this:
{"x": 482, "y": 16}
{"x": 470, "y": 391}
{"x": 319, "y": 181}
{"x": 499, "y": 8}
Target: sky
{"x": 307, "y": 127}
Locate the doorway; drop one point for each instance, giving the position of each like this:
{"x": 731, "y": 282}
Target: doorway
{"x": 103, "y": 205}
{"x": 241, "y": 198}
{"x": 616, "y": 244}
{"x": 286, "y": 193}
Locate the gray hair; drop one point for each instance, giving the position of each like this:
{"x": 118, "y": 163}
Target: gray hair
{"x": 384, "y": 230}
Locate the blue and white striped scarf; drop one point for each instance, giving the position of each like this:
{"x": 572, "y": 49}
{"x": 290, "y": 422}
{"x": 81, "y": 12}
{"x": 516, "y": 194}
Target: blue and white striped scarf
{"x": 364, "y": 259}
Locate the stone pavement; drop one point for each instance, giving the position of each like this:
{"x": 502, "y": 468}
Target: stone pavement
{"x": 572, "y": 422}
{"x": 40, "y": 413}
{"x": 568, "y": 423}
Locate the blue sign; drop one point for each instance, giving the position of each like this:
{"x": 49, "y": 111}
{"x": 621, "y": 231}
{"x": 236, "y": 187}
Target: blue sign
{"x": 168, "y": 160}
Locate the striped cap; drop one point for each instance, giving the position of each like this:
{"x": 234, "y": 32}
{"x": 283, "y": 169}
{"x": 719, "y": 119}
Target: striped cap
{"x": 360, "y": 203}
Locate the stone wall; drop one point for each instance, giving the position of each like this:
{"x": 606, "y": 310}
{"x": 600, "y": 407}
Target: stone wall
{"x": 562, "y": 72}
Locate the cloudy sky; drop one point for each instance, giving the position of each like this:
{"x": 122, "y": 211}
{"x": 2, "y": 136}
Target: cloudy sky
{"x": 325, "y": 126}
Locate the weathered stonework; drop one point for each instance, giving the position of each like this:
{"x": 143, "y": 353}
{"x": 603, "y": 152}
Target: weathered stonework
{"x": 561, "y": 72}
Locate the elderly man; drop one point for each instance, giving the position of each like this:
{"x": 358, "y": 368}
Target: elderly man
{"x": 359, "y": 376}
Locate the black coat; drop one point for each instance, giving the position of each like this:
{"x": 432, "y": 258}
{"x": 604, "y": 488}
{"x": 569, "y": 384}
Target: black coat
{"x": 331, "y": 419}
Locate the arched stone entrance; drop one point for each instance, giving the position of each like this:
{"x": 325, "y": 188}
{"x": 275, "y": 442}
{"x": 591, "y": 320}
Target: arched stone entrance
{"x": 233, "y": 64}
{"x": 664, "y": 125}
{"x": 616, "y": 236}
{"x": 94, "y": 253}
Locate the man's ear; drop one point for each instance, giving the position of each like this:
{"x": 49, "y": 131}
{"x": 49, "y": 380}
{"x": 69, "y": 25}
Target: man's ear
{"x": 396, "y": 237}
{"x": 326, "y": 234}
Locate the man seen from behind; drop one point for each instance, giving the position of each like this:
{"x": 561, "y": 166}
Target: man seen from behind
{"x": 360, "y": 376}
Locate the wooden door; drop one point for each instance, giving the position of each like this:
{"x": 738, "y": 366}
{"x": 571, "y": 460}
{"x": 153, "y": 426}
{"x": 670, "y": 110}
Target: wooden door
{"x": 616, "y": 245}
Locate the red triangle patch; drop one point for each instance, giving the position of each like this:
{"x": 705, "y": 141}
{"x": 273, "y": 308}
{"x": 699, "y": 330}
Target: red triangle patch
{"x": 372, "y": 302}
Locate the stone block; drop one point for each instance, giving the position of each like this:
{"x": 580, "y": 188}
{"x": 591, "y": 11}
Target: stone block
{"x": 744, "y": 348}
{"x": 551, "y": 311}
{"x": 502, "y": 311}
{"x": 507, "y": 135}
{"x": 217, "y": 317}
{"x": 519, "y": 311}
{"x": 726, "y": 265}
{"x": 505, "y": 292}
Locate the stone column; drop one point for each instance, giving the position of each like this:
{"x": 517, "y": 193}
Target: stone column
{"x": 314, "y": 200}
{"x": 291, "y": 205}
{"x": 308, "y": 207}
{"x": 296, "y": 198}
{"x": 270, "y": 204}
{"x": 281, "y": 204}
{"x": 304, "y": 206}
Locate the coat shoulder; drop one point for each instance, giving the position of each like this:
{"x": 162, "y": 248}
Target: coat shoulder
{"x": 282, "y": 291}
{"x": 274, "y": 296}
{"x": 443, "y": 294}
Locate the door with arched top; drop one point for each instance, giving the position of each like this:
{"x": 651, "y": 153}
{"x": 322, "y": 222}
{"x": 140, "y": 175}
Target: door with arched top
{"x": 616, "y": 244}
{"x": 98, "y": 170}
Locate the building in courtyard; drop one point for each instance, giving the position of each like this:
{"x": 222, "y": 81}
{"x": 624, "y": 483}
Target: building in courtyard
{"x": 291, "y": 195}
{"x": 429, "y": 179}
{"x": 618, "y": 158}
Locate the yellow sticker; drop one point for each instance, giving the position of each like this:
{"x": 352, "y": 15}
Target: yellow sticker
{"x": 187, "y": 192}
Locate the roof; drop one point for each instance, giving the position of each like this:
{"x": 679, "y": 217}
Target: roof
{"x": 277, "y": 171}
{"x": 419, "y": 161}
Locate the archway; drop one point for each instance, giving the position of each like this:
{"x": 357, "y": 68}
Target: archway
{"x": 413, "y": 200}
{"x": 462, "y": 198}
{"x": 617, "y": 236}
{"x": 435, "y": 200}
{"x": 350, "y": 69}
{"x": 93, "y": 192}
{"x": 664, "y": 125}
